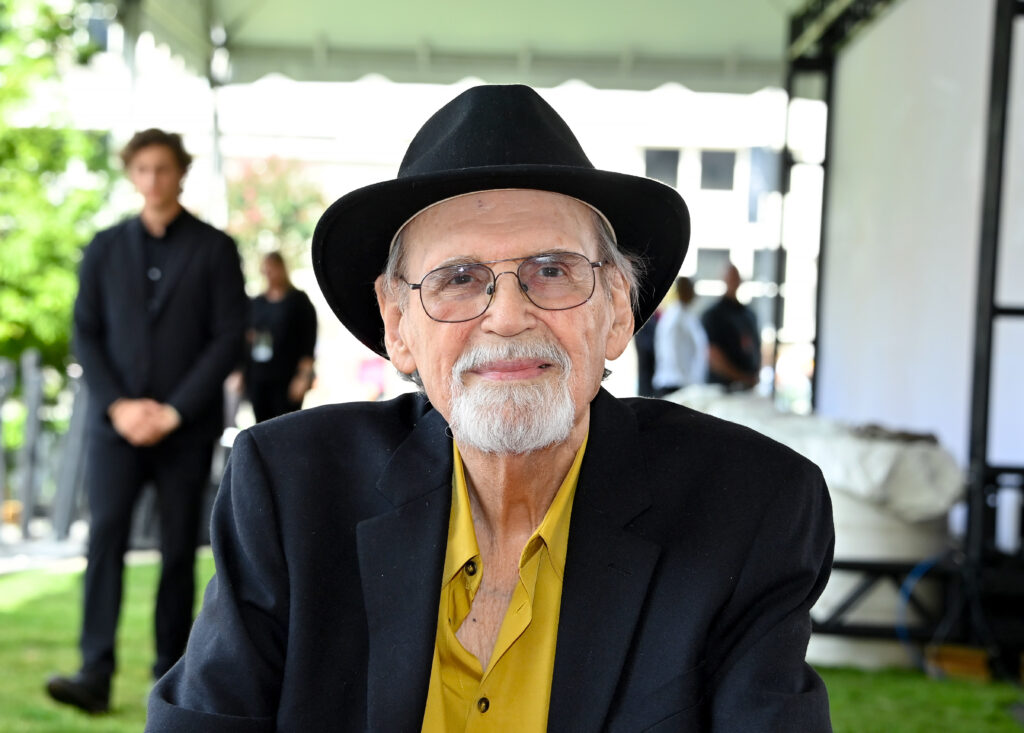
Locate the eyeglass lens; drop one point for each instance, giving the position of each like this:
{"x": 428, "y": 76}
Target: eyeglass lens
{"x": 555, "y": 281}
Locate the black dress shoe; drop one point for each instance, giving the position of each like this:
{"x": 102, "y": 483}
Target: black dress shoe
{"x": 88, "y": 692}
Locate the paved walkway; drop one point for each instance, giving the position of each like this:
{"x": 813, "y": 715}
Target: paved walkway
{"x": 40, "y": 551}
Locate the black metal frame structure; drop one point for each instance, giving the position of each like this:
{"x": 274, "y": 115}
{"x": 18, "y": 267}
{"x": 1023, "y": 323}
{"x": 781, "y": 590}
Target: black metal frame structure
{"x": 873, "y": 573}
{"x": 816, "y": 35}
{"x": 984, "y": 596}
{"x": 993, "y": 584}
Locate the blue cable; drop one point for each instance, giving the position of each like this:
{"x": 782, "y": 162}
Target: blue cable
{"x": 906, "y": 590}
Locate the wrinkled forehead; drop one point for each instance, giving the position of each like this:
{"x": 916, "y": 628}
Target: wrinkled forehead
{"x": 503, "y": 209}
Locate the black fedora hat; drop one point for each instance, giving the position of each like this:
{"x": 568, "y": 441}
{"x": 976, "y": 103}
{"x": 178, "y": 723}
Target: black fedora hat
{"x": 491, "y": 137}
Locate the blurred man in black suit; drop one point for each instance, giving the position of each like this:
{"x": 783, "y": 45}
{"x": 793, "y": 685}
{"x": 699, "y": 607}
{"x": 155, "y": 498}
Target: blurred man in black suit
{"x": 159, "y": 322}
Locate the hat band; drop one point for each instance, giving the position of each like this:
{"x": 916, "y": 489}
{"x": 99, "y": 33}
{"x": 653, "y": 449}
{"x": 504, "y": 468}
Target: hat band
{"x": 394, "y": 239}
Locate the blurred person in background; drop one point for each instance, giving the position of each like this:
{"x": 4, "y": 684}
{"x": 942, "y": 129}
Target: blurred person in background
{"x": 734, "y": 341}
{"x": 644, "y": 343}
{"x": 281, "y": 339}
{"x": 680, "y": 344}
{"x": 158, "y": 323}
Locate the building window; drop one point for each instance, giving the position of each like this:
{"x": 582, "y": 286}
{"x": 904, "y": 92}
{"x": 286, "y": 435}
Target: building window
{"x": 764, "y": 265}
{"x": 764, "y": 178}
{"x": 716, "y": 169}
{"x": 764, "y": 308}
{"x": 711, "y": 263}
{"x": 662, "y": 165}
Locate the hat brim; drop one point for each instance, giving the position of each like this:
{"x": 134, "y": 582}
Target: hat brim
{"x": 352, "y": 238}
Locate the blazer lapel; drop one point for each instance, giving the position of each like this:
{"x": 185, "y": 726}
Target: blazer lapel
{"x": 607, "y": 571}
{"x": 134, "y": 265}
{"x": 401, "y": 559}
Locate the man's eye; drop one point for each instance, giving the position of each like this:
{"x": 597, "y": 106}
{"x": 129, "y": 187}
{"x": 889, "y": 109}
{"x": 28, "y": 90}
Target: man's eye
{"x": 552, "y": 271}
{"x": 460, "y": 278}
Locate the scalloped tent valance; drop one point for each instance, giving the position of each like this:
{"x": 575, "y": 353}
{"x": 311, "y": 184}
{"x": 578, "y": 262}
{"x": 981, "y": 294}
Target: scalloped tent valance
{"x": 705, "y": 45}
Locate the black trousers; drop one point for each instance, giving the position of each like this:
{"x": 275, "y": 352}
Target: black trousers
{"x": 115, "y": 474}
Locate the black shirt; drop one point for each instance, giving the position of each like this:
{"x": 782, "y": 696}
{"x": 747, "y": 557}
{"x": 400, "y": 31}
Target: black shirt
{"x": 155, "y": 252}
{"x": 282, "y": 333}
{"x": 732, "y": 327}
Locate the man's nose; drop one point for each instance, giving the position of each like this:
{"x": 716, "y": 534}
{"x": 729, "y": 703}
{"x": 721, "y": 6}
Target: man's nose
{"x": 508, "y": 313}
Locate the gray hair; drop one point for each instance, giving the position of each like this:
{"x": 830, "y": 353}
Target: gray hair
{"x": 630, "y": 266}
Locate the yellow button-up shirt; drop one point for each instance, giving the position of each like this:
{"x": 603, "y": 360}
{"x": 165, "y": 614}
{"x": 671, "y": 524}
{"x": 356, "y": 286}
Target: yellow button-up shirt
{"x": 514, "y": 692}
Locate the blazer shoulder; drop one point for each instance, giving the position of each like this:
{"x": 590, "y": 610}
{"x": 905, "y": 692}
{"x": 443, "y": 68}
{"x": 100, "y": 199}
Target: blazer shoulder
{"x": 113, "y": 233}
{"x": 344, "y": 427}
{"x": 107, "y": 245}
{"x": 735, "y": 478}
{"x": 206, "y": 230}
{"x": 715, "y": 439}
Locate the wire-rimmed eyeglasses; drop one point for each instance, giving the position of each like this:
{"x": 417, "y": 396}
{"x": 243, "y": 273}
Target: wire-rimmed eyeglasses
{"x": 553, "y": 281}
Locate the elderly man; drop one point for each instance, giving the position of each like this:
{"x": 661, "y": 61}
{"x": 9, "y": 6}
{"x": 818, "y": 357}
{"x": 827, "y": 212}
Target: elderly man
{"x": 514, "y": 548}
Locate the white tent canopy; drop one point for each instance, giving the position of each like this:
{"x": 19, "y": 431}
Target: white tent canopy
{"x": 705, "y": 45}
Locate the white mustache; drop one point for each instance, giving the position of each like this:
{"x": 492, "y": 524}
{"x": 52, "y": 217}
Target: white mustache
{"x": 484, "y": 354}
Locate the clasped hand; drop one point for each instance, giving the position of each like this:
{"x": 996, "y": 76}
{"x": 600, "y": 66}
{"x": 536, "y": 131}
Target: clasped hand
{"x": 143, "y": 422}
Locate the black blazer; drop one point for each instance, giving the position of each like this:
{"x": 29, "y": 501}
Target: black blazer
{"x": 181, "y": 348}
{"x": 696, "y": 549}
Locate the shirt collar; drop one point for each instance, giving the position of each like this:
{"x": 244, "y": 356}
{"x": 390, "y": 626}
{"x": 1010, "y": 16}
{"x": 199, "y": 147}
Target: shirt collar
{"x": 169, "y": 231}
{"x": 554, "y": 528}
{"x": 462, "y": 545}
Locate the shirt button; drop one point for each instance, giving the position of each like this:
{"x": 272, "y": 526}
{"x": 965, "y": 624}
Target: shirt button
{"x": 154, "y": 273}
{"x": 483, "y": 704}
{"x": 471, "y": 570}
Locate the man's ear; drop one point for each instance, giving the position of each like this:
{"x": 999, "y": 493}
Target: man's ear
{"x": 621, "y": 330}
{"x": 392, "y": 315}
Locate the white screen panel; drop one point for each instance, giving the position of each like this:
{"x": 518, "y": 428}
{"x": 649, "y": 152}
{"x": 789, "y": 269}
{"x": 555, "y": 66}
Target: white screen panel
{"x": 1006, "y": 412}
{"x": 904, "y": 217}
{"x": 1010, "y": 278}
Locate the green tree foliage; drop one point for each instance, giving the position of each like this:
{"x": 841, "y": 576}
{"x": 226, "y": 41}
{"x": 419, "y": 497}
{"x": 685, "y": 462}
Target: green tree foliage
{"x": 273, "y": 206}
{"x": 53, "y": 180}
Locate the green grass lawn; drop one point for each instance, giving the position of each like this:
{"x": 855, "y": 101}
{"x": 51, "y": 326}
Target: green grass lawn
{"x": 906, "y": 701}
{"x": 40, "y": 612}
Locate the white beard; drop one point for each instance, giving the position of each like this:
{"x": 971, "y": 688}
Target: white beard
{"x": 509, "y": 418}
